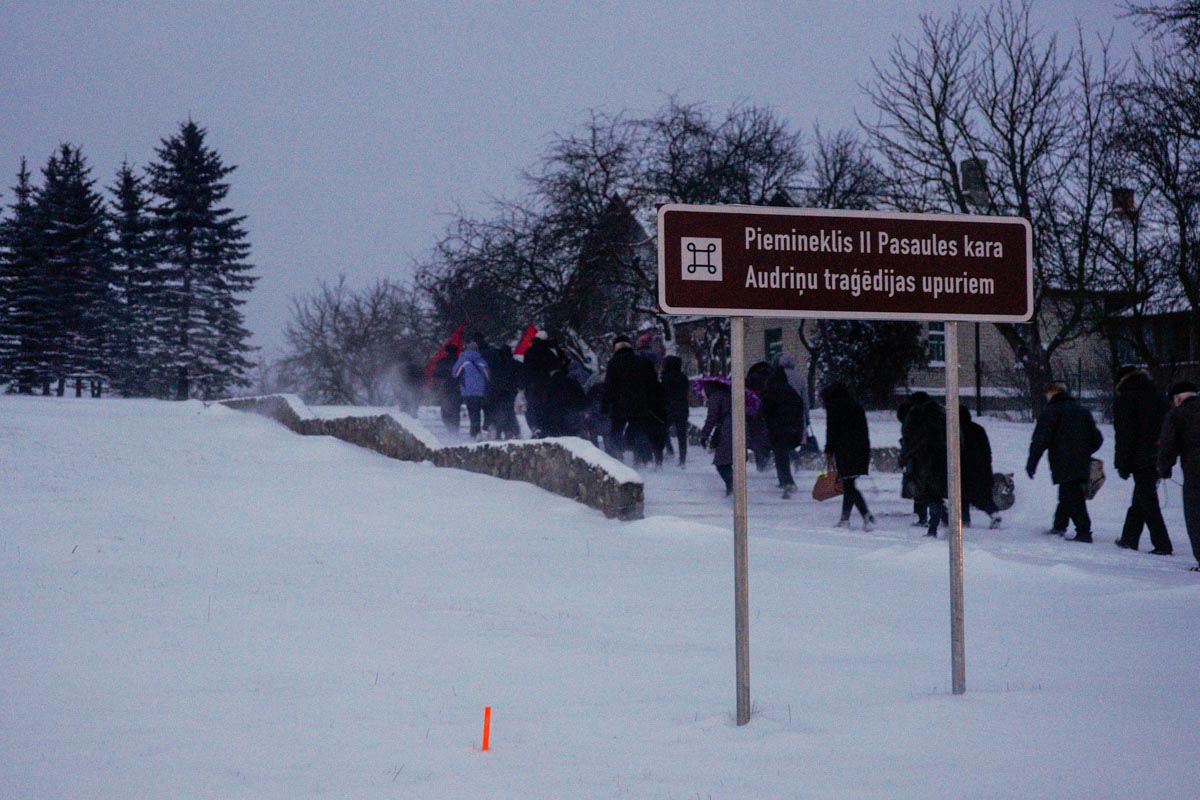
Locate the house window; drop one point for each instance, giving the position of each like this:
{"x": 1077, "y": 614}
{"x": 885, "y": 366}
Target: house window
{"x": 935, "y": 343}
{"x": 772, "y": 343}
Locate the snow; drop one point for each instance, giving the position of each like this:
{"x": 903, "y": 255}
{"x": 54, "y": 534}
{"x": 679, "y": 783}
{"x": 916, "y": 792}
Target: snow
{"x": 195, "y": 602}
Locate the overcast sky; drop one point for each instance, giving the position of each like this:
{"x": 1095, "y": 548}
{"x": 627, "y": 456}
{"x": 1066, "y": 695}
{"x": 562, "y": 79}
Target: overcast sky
{"x": 357, "y": 127}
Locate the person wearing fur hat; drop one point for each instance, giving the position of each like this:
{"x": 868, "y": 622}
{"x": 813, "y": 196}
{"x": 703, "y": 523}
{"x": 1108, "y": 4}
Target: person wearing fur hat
{"x": 1180, "y": 439}
{"x": 1138, "y": 413}
{"x": 1067, "y": 430}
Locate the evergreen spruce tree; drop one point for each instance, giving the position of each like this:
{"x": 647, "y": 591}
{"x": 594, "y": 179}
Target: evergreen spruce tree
{"x": 142, "y": 312}
{"x": 204, "y": 251}
{"x": 74, "y": 246}
{"x": 25, "y": 322}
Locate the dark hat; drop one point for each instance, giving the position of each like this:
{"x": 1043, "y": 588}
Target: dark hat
{"x": 1125, "y": 372}
{"x": 621, "y": 339}
{"x": 1182, "y": 387}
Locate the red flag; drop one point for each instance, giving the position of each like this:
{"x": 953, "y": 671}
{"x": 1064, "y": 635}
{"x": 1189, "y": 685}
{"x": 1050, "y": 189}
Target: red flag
{"x": 526, "y": 340}
{"x": 455, "y": 339}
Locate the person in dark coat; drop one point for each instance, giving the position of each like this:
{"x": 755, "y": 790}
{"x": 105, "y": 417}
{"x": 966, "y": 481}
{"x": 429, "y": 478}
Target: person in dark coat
{"x": 907, "y": 481}
{"x": 1180, "y": 439}
{"x": 923, "y": 456}
{"x": 446, "y": 386}
{"x": 977, "y": 475}
{"x": 1068, "y": 432}
{"x": 675, "y": 390}
{"x": 566, "y": 405}
{"x": 758, "y": 438}
{"x": 502, "y": 393}
{"x": 541, "y": 359}
{"x": 718, "y": 427}
{"x": 411, "y": 382}
{"x": 783, "y": 412}
{"x": 1138, "y": 414}
{"x": 631, "y": 394}
{"x": 848, "y": 448}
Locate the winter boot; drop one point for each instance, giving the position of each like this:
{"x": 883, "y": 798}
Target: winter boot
{"x": 995, "y": 522}
{"x": 869, "y": 522}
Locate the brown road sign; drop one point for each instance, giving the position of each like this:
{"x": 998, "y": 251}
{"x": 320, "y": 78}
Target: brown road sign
{"x": 788, "y": 262}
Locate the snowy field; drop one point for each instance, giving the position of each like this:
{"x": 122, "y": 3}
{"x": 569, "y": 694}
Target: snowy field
{"x": 197, "y": 603}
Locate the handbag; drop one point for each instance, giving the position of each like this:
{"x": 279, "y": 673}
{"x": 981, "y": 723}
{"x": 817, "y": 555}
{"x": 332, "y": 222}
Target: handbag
{"x": 1003, "y": 490}
{"x": 1095, "y": 478}
{"x": 828, "y": 485}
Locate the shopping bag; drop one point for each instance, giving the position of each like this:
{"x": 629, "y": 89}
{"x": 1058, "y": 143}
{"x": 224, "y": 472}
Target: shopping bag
{"x": 828, "y": 485}
{"x": 1095, "y": 478}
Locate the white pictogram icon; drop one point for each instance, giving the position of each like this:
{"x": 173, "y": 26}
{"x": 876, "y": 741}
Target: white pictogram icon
{"x": 701, "y": 259}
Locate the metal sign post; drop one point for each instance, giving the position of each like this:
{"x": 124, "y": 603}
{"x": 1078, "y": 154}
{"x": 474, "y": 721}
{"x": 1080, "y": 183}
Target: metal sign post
{"x": 958, "y": 667}
{"x": 741, "y": 560}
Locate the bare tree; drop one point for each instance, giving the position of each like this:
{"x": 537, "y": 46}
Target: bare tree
{"x": 349, "y": 347}
{"x": 992, "y": 90}
{"x": 577, "y": 253}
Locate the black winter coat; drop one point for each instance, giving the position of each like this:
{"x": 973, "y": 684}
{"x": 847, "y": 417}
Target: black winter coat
{"x": 631, "y": 388}
{"x": 566, "y": 405}
{"x": 1138, "y": 414}
{"x": 1067, "y": 430}
{"x": 675, "y": 388}
{"x": 718, "y": 424}
{"x": 923, "y": 449}
{"x": 540, "y": 360}
{"x": 847, "y": 440}
{"x": 1181, "y": 439}
{"x": 977, "y": 473}
{"x": 783, "y": 410}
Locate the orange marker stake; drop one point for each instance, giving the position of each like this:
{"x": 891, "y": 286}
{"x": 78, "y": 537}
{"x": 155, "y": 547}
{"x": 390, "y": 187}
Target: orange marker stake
{"x": 487, "y": 726}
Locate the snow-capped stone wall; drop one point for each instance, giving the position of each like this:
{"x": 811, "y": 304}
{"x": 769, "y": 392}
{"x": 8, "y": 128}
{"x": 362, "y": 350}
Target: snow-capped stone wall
{"x": 568, "y": 467}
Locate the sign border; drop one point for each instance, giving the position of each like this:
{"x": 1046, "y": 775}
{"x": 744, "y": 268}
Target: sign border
{"x": 843, "y": 214}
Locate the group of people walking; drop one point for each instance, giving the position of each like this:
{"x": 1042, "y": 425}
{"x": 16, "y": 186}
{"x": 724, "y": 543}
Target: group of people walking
{"x": 640, "y": 402}
{"x": 1152, "y": 432}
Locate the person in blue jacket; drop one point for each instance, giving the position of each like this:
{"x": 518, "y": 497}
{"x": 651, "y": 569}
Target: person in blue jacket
{"x": 472, "y": 374}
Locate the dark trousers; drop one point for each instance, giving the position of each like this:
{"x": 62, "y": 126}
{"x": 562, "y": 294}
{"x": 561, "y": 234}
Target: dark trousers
{"x": 630, "y": 434}
{"x": 983, "y": 502}
{"x": 451, "y": 409}
{"x": 783, "y": 465}
{"x": 1072, "y": 507}
{"x": 1191, "y": 511}
{"x": 938, "y": 515}
{"x": 502, "y": 418}
{"x": 1144, "y": 511}
{"x": 474, "y": 413}
{"x": 726, "y": 473}
{"x": 852, "y": 498}
{"x": 680, "y": 427}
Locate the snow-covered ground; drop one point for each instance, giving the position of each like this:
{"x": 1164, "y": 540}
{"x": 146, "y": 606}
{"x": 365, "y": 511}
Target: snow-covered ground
{"x": 195, "y": 602}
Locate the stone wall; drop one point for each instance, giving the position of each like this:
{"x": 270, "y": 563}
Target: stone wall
{"x": 570, "y": 468}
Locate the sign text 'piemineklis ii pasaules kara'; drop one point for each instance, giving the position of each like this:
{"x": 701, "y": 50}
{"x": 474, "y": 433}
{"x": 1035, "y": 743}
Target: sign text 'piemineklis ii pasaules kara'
{"x": 790, "y": 262}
